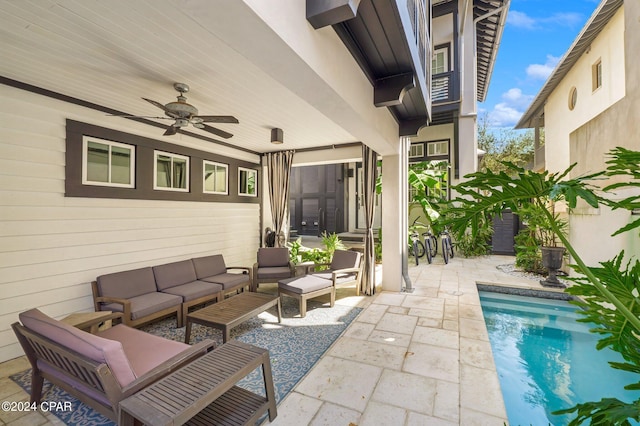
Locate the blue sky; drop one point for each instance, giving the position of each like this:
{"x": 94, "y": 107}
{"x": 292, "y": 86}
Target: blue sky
{"x": 536, "y": 35}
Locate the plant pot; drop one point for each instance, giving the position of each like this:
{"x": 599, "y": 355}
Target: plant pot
{"x": 552, "y": 260}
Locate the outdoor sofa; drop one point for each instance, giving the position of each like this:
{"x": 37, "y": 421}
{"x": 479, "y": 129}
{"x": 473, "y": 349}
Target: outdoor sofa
{"x": 146, "y": 294}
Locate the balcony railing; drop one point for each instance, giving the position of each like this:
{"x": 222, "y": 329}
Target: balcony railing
{"x": 419, "y": 14}
{"x": 441, "y": 87}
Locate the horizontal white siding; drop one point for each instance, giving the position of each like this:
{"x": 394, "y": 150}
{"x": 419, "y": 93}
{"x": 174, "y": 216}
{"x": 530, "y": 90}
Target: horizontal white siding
{"x": 52, "y": 247}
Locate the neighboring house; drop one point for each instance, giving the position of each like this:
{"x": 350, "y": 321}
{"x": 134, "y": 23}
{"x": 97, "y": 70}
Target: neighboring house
{"x": 85, "y": 191}
{"x": 589, "y": 105}
{"x": 466, "y": 36}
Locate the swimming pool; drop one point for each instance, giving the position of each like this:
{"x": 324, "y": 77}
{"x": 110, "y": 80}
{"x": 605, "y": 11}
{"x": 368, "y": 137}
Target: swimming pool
{"x": 546, "y": 360}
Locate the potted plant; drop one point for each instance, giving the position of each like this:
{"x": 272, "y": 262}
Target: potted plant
{"x": 540, "y": 225}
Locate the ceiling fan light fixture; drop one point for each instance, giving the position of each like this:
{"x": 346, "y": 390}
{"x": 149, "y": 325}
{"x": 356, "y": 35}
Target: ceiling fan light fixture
{"x": 180, "y": 122}
{"x": 277, "y": 136}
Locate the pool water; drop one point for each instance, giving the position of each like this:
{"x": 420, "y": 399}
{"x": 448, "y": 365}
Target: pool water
{"x": 546, "y": 360}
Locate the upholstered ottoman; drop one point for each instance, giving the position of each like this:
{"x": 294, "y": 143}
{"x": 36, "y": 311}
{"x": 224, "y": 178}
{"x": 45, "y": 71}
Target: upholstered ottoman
{"x": 306, "y": 287}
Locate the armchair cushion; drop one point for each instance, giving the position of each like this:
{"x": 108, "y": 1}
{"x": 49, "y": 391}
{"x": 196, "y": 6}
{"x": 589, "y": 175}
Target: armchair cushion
{"x": 273, "y": 256}
{"x": 174, "y": 274}
{"x": 127, "y": 284}
{"x": 274, "y": 272}
{"x": 209, "y": 266}
{"x": 344, "y": 259}
{"x": 136, "y": 344}
{"x": 96, "y": 348}
{"x": 340, "y": 278}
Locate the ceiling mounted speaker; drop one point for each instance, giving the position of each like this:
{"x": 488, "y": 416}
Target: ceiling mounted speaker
{"x": 277, "y": 136}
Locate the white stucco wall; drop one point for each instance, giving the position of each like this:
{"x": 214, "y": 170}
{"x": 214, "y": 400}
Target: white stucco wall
{"x": 559, "y": 120}
{"x": 601, "y": 121}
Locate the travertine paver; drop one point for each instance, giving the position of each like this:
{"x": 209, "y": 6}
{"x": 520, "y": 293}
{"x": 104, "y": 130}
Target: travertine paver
{"x": 368, "y": 352}
{"x": 343, "y": 382}
{"x": 393, "y": 386}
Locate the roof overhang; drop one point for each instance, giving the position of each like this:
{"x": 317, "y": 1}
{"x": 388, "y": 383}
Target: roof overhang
{"x": 390, "y": 41}
{"x": 489, "y": 17}
{"x": 534, "y": 115}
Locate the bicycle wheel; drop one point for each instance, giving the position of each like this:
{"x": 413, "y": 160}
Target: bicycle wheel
{"x": 434, "y": 245}
{"x": 445, "y": 250}
{"x": 417, "y": 249}
{"x": 450, "y": 247}
{"x": 428, "y": 249}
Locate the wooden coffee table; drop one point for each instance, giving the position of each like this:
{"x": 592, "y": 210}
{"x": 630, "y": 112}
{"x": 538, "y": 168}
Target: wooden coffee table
{"x": 231, "y": 312}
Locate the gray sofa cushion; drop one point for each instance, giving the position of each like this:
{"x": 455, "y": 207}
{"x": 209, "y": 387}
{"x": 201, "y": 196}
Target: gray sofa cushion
{"x": 273, "y": 256}
{"x": 229, "y": 280}
{"x": 194, "y": 290}
{"x": 341, "y": 278}
{"x": 96, "y": 348}
{"x": 343, "y": 259}
{"x": 143, "y": 350}
{"x": 275, "y": 272}
{"x": 127, "y": 284}
{"x": 305, "y": 284}
{"x": 173, "y": 274}
{"x": 147, "y": 304}
{"x": 209, "y": 266}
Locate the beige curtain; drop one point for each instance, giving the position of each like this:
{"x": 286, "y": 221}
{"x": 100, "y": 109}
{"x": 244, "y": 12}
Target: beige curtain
{"x": 369, "y": 175}
{"x": 279, "y": 170}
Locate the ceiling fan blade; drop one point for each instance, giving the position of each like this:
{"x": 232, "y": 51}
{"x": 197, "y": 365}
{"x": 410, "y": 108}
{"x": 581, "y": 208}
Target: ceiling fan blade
{"x": 218, "y": 119}
{"x": 216, "y": 131}
{"x": 171, "y": 130}
{"x": 140, "y": 116}
{"x": 156, "y": 103}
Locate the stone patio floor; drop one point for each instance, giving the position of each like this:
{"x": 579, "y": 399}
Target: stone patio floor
{"x": 420, "y": 358}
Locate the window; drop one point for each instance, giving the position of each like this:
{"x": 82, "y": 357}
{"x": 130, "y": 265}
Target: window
{"x": 171, "y": 172}
{"x": 215, "y": 178}
{"x": 573, "y": 98}
{"x": 416, "y": 150}
{"x": 440, "y": 61}
{"x": 437, "y": 148}
{"x": 247, "y": 182}
{"x": 107, "y": 163}
{"x": 596, "y": 75}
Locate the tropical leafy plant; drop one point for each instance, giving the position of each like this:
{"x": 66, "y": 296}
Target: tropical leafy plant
{"x": 611, "y": 293}
{"x": 480, "y": 244}
{"x": 298, "y": 253}
{"x": 332, "y": 243}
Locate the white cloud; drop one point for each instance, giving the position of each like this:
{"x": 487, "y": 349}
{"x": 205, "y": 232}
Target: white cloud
{"x": 521, "y": 20}
{"x": 570, "y": 19}
{"x": 562, "y": 19}
{"x": 508, "y": 112}
{"x": 542, "y": 71}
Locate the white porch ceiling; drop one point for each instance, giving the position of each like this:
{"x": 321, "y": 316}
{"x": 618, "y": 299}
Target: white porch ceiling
{"x": 113, "y": 52}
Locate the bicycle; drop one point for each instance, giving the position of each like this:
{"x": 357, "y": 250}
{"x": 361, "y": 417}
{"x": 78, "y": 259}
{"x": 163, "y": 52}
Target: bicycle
{"x": 447, "y": 246}
{"x": 430, "y": 245}
{"x": 416, "y": 248}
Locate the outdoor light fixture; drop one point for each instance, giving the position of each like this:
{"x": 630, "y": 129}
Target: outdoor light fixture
{"x": 277, "y": 136}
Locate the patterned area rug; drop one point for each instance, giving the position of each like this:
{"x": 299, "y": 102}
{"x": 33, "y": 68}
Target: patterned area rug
{"x": 294, "y": 345}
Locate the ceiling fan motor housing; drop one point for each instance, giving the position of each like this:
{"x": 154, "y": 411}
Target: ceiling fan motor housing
{"x": 180, "y": 109}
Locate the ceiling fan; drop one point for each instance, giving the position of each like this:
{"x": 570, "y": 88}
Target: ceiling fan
{"x": 184, "y": 114}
